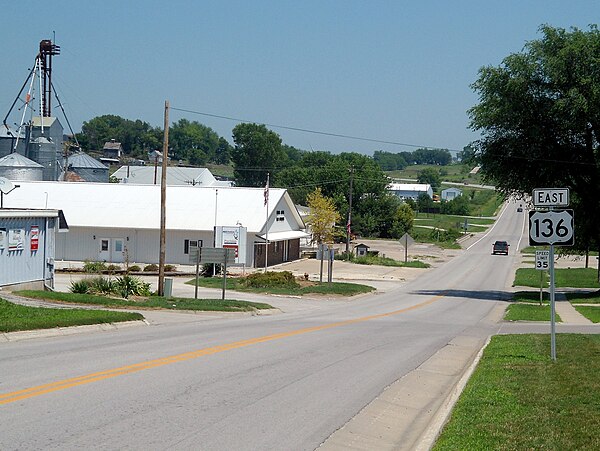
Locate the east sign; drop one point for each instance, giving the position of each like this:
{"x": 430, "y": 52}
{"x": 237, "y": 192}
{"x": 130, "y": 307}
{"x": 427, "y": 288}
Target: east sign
{"x": 551, "y": 197}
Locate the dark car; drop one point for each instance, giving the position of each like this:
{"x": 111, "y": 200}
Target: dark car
{"x": 500, "y": 247}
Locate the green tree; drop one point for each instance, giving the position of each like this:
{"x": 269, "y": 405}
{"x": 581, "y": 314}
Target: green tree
{"x": 322, "y": 217}
{"x": 223, "y": 152}
{"x": 424, "y": 202}
{"x": 430, "y": 176}
{"x": 403, "y": 221}
{"x": 257, "y": 151}
{"x": 193, "y": 141}
{"x": 539, "y": 118}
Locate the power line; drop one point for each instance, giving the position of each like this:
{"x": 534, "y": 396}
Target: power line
{"x": 315, "y": 132}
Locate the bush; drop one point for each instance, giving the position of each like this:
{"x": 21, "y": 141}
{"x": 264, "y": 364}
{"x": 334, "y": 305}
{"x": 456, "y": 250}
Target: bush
{"x": 151, "y": 268}
{"x": 131, "y": 286}
{"x": 207, "y": 269}
{"x": 134, "y": 268}
{"x": 112, "y": 267}
{"x": 100, "y": 285}
{"x": 80, "y": 287}
{"x": 94, "y": 267}
{"x": 170, "y": 268}
{"x": 271, "y": 279}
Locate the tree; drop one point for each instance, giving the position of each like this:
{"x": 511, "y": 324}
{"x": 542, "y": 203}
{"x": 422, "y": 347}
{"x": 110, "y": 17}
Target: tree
{"x": 424, "y": 202}
{"x": 539, "y": 118}
{"x": 193, "y": 141}
{"x": 322, "y": 217}
{"x": 257, "y": 150}
{"x": 430, "y": 176}
{"x": 403, "y": 221}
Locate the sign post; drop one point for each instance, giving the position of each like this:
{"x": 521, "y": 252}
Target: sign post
{"x": 541, "y": 264}
{"x": 553, "y": 227}
{"x": 215, "y": 255}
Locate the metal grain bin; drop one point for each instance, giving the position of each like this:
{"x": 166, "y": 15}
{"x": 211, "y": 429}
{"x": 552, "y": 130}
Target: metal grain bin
{"x": 15, "y": 166}
{"x": 88, "y": 168}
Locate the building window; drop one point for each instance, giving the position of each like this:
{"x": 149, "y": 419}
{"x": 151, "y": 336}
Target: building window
{"x": 280, "y": 215}
{"x": 190, "y": 246}
{"x": 104, "y": 245}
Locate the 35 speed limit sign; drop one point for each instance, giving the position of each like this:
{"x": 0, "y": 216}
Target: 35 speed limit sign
{"x": 542, "y": 260}
{"x": 551, "y": 227}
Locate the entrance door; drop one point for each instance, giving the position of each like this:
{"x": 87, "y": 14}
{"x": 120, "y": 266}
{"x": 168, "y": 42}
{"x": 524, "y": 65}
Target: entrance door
{"x": 117, "y": 254}
{"x": 104, "y": 251}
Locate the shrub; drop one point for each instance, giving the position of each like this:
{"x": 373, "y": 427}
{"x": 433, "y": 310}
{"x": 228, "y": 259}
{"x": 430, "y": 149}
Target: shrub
{"x": 170, "y": 268}
{"x": 134, "y": 268}
{"x": 151, "y": 268}
{"x": 131, "y": 286}
{"x": 93, "y": 267}
{"x": 101, "y": 285}
{"x": 112, "y": 267}
{"x": 271, "y": 279}
{"x": 79, "y": 286}
{"x": 207, "y": 269}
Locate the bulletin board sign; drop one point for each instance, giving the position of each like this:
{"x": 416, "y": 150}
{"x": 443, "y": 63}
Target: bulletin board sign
{"x": 34, "y": 238}
{"x": 2, "y": 239}
{"x": 16, "y": 239}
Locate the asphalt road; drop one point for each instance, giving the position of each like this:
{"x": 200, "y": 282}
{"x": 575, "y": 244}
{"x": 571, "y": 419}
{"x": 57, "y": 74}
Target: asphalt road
{"x": 285, "y": 381}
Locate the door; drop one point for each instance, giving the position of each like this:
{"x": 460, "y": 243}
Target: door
{"x": 104, "y": 251}
{"x": 117, "y": 254}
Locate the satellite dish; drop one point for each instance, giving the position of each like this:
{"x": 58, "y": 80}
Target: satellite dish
{"x": 6, "y": 186}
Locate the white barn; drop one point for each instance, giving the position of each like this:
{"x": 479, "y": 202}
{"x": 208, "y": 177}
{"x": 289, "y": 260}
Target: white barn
{"x": 410, "y": 190}
{"x": 146, "y": 175}
{"x": 116, "y": 222}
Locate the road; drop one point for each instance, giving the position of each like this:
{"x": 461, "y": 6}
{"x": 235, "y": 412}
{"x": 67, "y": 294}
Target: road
{"x": 286, "y": 381}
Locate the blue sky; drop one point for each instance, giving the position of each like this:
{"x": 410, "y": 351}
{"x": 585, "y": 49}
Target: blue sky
{"x": 386, "y": 70}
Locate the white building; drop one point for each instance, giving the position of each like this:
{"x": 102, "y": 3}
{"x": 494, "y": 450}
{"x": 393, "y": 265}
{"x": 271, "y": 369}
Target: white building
{"x": 117, "y": 222}
{"x": 149, "y": 175}
{"x": 451, "y": 193}
{"x": 410, "y": 190}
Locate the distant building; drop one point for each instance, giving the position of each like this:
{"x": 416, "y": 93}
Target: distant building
{"x": 150, "y": 175}
{"x": 451, "y": 193}
{"x": 87, "y": 168}
{"x": 410, "y": 190}
{"x": 112, "y": 149}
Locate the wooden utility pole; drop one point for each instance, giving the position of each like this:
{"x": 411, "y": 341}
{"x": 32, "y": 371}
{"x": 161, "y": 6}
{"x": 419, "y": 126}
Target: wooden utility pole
{"x": 163, "y": 205}
{"x": 349, "y": 223}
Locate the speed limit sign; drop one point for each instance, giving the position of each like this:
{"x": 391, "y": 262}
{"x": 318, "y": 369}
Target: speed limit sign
{"x": 542, "y": 260}
{"x": 551, "y": 227}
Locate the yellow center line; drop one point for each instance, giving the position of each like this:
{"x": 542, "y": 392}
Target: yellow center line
{"x": 38, "y": 390}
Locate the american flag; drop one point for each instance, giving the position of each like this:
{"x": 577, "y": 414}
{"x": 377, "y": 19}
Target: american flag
{"x": 348, "y": 224}
{"x": 266, "y": 193}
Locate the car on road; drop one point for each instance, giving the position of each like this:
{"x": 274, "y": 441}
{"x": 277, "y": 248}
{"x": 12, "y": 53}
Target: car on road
{"x": 500, "y": 247}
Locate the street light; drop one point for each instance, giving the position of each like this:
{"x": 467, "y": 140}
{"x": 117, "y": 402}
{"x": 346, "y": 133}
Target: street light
{"x": 6, "y": 187}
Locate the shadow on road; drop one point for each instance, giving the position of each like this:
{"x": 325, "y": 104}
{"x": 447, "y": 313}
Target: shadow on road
{"x": 470, "y": 294}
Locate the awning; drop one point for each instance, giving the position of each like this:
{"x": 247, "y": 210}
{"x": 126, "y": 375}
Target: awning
{"x": 287, "y": 235}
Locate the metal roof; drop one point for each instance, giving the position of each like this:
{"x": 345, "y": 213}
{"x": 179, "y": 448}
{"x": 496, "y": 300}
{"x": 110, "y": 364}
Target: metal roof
{"x": 144, "y": 175}
{"x": 118, "y": 205}
{"x": 83, "y": 160}
{"x": 14, "y": 160}
{"x": 7, "y": 132}
{"x": 409, "y": 187}
{"x": 47, "y": 121}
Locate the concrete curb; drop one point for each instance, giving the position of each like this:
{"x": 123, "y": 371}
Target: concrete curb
{"x": 64, "y": 331}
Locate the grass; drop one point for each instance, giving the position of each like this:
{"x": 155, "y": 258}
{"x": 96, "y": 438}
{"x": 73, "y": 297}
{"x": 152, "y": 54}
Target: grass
{"x": 153, "y": 302}
{"x": 451, "y": 172}
{"x": 591, "y": 313}
{"x": 571, "y": 277}
{"x": 519, "y": 399}
{"x": 386, "y": 261}
{"x": 531, "y": 296}
{"x": 529, "y": 312}
{"x": 14, "y": 317}
{"x": 338, "y": 288}
{"x": 583, "y": 298}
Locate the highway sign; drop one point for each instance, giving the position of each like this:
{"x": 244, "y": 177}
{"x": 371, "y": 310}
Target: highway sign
{"x": 542, "y": 260}
{"x": 551, "y": 197}
{"x": 551, "y": 227}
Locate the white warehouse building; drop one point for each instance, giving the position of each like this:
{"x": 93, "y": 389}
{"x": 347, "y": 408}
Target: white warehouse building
{"x": 410, "y": 190}
{"x": 116, "y": 222}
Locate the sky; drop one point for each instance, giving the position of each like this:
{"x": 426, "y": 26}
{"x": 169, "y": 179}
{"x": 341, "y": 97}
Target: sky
{"x": 393, "y": 71}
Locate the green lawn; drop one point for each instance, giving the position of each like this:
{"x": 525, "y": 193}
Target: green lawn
{"x": 583, "y": 298}
{"x": 338, "y": 288}
{"x": 152, "y": 302}
{"x": 529, "y": 312}
{"x": 591, "y": 313}
{"x": 386, "y": 261}
{"x": 14, "y": 317}
{"x": 518, "y": 399}
{"x": 531, "y": 296}
{"x": 571, "y": 277}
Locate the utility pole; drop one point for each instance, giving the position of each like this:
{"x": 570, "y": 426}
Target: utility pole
{"x": 349, "y": 223}
{"x": 267, "y": 224}
{"x": 163, "y": 205}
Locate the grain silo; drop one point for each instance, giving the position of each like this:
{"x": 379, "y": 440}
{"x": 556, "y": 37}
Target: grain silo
{"x": 8, "y": 139}
{"x": 15, "y": 166}
{"x": 43, "y": 151}
{"x": 88, "y": 168}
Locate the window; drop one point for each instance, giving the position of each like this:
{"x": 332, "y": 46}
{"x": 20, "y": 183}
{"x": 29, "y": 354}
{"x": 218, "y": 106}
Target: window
{"x": 190, "y": 246}
{"x": 280, "y": 215}
{"x": 104, "y": 245}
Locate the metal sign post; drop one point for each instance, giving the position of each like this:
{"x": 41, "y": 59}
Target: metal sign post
{"x": 553, "y": 227}
{"x": 541, "y": 263}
